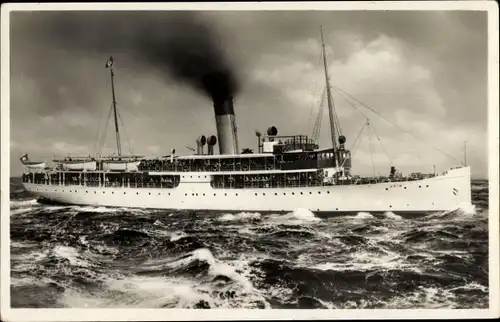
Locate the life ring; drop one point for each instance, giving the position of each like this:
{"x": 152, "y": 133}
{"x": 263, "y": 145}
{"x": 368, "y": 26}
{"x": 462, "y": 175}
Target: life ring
{"x": 245, "y": 168}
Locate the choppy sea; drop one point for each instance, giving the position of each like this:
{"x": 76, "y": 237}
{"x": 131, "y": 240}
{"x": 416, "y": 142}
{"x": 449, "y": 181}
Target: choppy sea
{"x": 88, "y": 257}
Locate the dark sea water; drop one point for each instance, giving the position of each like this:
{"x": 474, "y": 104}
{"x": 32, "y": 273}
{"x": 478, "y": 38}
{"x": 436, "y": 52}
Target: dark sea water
{"x": 78, "y": 257}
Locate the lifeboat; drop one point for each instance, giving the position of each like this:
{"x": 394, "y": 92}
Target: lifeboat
{"x": 32, "y": 164}
{"x": 121, "y": 164}
{"x": 88, "y": 164}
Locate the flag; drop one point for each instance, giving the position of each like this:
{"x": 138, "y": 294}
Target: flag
{"x": 109, "y": 63}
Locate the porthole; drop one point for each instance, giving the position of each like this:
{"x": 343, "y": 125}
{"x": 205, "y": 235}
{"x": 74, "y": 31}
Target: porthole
{"x": 214, "y": 194}
{"x": 112, "y": 192}
{"x": 390, "y": 206}
{"x": 427, "y": 186}
{"x": 293, "y": 193}
{"x": 103, "y": 192}
{"x": 263, "y": 194}
{"x": 225, "y": 194}
{"x": 301, "y": 193}
{"x": 204, "y": 194}
{"x": 420, "y": 186}
{"x": 275, "y": 193}
{"x": 405, "y": 187}
{"x": 310, "y": 193}
{"x": 137, "y": 193}
{"x": 284, "y": 194}
{"x": 328, "y": 192}
{"x": 124, "y": 193}
{"x": 319, "y": 192}
{"x": 192, "y": 194}
{"x": 256, "y": 193}
{"x": 85, "y": 191}
{"x": 168, "y": 194}
{"x": 236, "y": 195}
{"x": 185, "y": 194}
{"x": 196, "y": 195}
{"x": 159, "y": 193}
{"x": 95, "y": 192}
{"x": 150, "y": 193}
{"x": 386, "y": 188}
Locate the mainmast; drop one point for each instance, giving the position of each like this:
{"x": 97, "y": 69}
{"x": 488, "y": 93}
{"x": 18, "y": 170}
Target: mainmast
{"x": 109, "y": 65}
{"x": 329, "y": 94}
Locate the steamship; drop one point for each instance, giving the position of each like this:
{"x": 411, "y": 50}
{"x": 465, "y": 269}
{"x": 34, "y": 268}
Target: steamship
{"x": 285, "y": 173}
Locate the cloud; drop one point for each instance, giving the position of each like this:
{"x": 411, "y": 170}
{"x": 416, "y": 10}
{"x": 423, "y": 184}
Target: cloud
{"x": 426, "y": 71}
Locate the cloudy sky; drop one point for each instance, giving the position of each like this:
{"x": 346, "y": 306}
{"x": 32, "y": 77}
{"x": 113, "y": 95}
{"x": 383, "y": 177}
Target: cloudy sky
{"x": 425, "y": 71}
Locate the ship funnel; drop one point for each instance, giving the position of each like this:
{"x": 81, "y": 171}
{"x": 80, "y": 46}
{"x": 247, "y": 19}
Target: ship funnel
{"x": 226, "y": 126}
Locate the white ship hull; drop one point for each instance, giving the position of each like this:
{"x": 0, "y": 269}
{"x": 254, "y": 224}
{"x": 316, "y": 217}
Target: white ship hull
{"x": 194, "y": 192}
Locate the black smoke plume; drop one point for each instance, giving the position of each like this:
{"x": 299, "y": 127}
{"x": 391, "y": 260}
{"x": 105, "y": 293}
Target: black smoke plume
{"x": 181, "y": 44}
{"x": 190, "y": 53}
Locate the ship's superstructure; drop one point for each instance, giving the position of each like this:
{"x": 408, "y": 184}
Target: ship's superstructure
{"x": 286, "y": 172}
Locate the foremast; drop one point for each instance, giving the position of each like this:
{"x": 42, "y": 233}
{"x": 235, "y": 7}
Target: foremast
{"x": 109, "y": 65}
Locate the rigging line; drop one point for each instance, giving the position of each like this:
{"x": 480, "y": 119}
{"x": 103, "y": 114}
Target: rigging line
{"x": 354, "y": 149}
{"x": 313, "y": 99}
{"x": 127, "y": 135}
{"x": 335, "y": 116}
{"x": 382, "y": 145}
{"x": 319, "y": 118}
{"x": 398, "y": 126}
{"x": 136, "y": 116}
{"x": 103, "y": 138}
{"x": 371, "y": 152}
{"x": 337, "y": 125}
{"x": 350, "y": 103}
{"x": 98, "y": 132}
{"x": 311, "y": 107}
{"x": 358, "y": 136}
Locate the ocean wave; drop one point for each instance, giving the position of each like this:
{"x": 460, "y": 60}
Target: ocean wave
{"x": 118, "y": 257}
{"x": 364, "y": 215}
{"x": 299, "y": 216}
{"x": 242, "y": 216}
{"x": 393, "y": 216}
{"x": 15, "y": 204}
